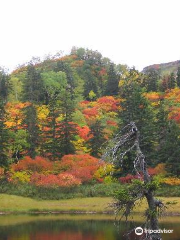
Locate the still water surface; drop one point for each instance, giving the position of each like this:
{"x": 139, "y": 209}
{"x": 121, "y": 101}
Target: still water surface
{"x": 68, "y": 227}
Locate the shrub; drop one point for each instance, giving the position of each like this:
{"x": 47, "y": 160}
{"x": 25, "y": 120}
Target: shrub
{"x": 51, "y": 180}
{"x": 19, "y": 177}
{"x": 81, "y": 166}
{"x": 173, "y": 181}
{"x": 38, "y": 164}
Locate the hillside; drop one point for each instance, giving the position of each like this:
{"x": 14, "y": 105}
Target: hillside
{"x": 58, "y": 117}
{"x": 164, "y": 68}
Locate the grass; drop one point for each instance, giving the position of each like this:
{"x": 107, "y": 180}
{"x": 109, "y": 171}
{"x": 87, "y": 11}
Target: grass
{"x": 17, "y": 204}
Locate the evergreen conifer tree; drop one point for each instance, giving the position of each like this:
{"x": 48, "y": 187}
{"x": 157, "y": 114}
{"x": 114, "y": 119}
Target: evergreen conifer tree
{"x": 136, "y": 108}
{"x": 33, "y": 86}
{"x": 112, "y": 82}
{"x": 178, "y": 77}
{"x": 3, "y": 137}
{"x": 172, "y": 80}
{"x": 31, "y": 125}
{"x": 90, "y": 84}
{"x": 96, "y": 141}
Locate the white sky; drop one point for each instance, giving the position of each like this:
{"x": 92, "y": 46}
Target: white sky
{"x": 133, "y": 32}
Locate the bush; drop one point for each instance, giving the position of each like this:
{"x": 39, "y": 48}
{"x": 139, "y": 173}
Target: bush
{"x": 82, "y": 166}
{"x": 19, "y": 177}
{"x": 38, "y": 164}
{"x": 62, "y": 180}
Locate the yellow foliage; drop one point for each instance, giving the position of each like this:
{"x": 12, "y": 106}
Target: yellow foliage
{"x": 80, "y": 146}
{"x": 1, "y": 172}
{"x": 42, "y": 112}
{"x": 104, "y": 170}
{"x": 171, "y": 181}
{"x": 160, "y": 169}
{"x": 20, "y": 176}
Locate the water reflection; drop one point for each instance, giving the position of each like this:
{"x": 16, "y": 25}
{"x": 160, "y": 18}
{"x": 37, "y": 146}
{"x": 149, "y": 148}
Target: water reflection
{"x": 49, "y": 228}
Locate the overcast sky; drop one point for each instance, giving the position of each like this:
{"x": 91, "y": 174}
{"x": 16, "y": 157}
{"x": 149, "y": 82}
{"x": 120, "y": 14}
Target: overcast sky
{"x": 133, "y": 32}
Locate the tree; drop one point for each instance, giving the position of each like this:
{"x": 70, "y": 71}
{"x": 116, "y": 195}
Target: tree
{"x": 53, "y": 83}
{"x": 33, "y": 86}
{"x": 172, "y": 81}
{"x": 65, "y": 67}
{"x": 151, "y": 80}
{"x": 169, "y": 152}
{"x": 67, "y": 129}
{"x": 50, "y": 136}
{"x": 96, "y": 138}
{"x": 112, "y": 81}
{"x": 3, "y": 137}
{"x": 125, "y": 199}
{"x": 90, "y": 84}
{"x": 31, "y": 126}
{"x": 178, "y": 77}
{"x": 4, "y": 85}
{"x": 136, "y": 108}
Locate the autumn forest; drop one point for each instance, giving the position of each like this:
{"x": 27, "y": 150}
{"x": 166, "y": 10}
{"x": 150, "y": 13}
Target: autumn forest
{"x": 58, "y": 116}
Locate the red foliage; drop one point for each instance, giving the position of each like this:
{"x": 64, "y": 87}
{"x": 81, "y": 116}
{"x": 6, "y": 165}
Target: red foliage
{"x": 108, "y": 103}
{"x": 81, "y": 166}
{"x": 175, "y": 114}
{"x": 90, "y": 112}
{"x": 128, "y": 178}
{"x": 61, "y": 180}
{"x": 38, "y": 164}
{"x": 103, "y": 72}
{"x": 84, "y": 132}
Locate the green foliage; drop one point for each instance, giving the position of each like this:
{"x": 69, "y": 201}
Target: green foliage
{"x": 4, "y": 85}
{"x": 112, "y": 81}
{"x": 97, "y": 139}
{"x": 27, "y": 190}
{"x": 54, "y": 83}
{"x": 136, "y": 108}
{"x": 4, "y": 136}
{"x": 32, "y": 129}
{"x": 32, "y": 85}
{"x": 90, "y": 84}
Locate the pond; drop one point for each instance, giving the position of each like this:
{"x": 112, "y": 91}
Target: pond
{"x": 74, "y": 227}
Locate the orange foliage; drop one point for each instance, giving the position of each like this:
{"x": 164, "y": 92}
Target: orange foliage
{"x": 51, "y": 180}
{"x": 15, "y": 114}
{"x": 78, "y": 63}
{"x": 160, "y": 168}
{"x": 153, "y": 96}
{"x": 112, "y": 123}
{"x": 90, "y": 112}
{"x": 108, "y": 103}
{"x": 171, "y": 181}
{"x": 173, "y": 95}
{"x": 81, "y": 166}
{"x": 84, "y": 132}
{"x": 175, "y": 114}
{"x": 1, "y": 172}
{"x": 38, "y": 164}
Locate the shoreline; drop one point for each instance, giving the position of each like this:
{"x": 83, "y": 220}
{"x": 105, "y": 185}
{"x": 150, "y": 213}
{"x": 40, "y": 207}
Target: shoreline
{"x": 74, "y": 212}
{"x": 13, "y": 205}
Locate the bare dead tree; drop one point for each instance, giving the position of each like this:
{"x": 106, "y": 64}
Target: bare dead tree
{"x": 129, "y": 140}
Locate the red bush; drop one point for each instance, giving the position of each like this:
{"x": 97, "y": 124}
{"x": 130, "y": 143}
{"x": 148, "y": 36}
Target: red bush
{"x": 90, "y": 112}
{"x": 38, "y": 164}
{"x": 81, "y": 166}
{"x": 51, "y": 180}
{"x": 83, "y": 132}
